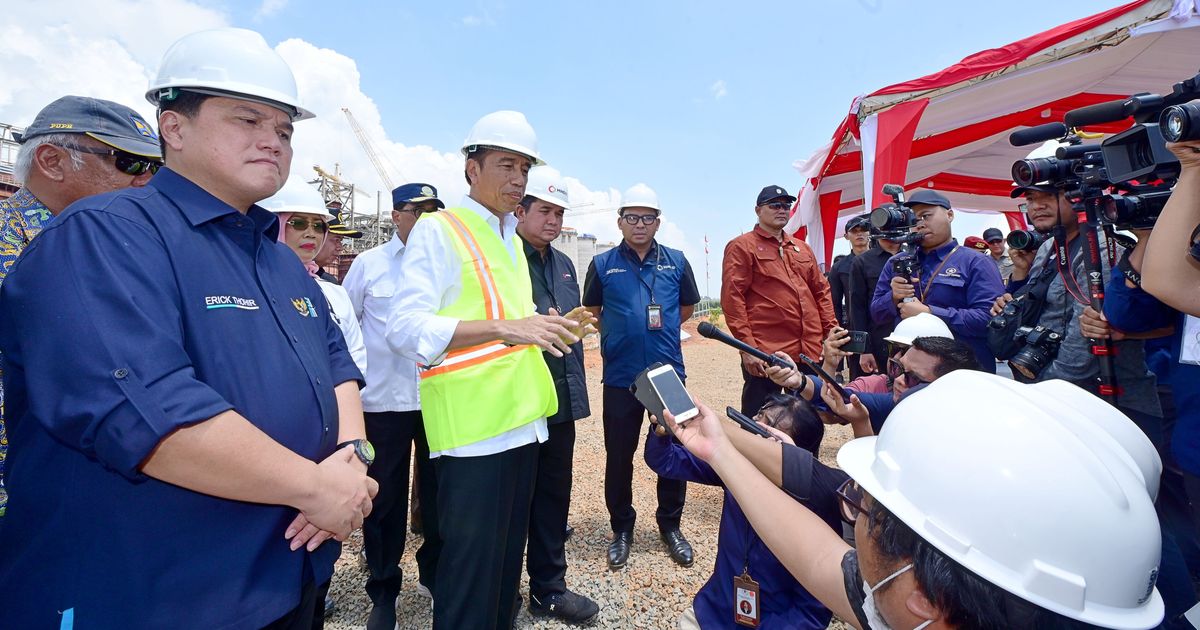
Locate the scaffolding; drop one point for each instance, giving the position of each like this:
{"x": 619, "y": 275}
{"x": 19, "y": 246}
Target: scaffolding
{"x": 341, "y": 195}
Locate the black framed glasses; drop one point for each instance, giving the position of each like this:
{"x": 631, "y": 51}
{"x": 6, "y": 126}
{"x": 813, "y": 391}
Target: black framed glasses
{"x": 646, "y": 219}
{"x": 895, "y": 370}
{"x": 125, "y": 162}
{"x": 300, "y": 224}
{"x": 778, "y": 205}
{"x": 851, "y": 504}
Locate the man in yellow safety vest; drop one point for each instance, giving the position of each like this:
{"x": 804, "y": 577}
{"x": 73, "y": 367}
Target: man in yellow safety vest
{"x": 466, "y": 315}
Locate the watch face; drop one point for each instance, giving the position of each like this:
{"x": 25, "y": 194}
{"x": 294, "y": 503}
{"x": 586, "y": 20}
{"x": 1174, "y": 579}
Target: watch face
{"x": 367, "y": 449}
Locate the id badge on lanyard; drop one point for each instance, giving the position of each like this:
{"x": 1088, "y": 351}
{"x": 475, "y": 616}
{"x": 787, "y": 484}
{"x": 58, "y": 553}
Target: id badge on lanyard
{"x": 745, "y": 601}
{"x": 654, "y": 317}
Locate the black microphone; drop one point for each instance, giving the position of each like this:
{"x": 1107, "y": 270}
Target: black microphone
{"x": 1040, "y": 133}
{"x": 747, "y": 423}
{"x": 712, "y": 332}
{"x": 1096, "y": 114}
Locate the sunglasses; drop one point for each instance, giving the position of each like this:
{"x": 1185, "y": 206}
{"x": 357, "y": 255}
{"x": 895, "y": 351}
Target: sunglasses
{"x": 300, "y": 224}
{"x": 778, "y": 205}
{"x": 646, "y": 219}
{"x": 851, "y": 501}
{"x": 125, "y": 162}
{"x": 895, "y": 369}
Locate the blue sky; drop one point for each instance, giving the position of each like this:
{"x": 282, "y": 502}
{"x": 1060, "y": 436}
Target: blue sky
{"x": 705, "y": 101}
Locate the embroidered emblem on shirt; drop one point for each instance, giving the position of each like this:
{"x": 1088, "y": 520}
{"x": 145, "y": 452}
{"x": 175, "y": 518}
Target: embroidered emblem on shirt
{"x": 304, "y": 307}
{"x": 229, "y": 301}
{"x": 951, "y": 272}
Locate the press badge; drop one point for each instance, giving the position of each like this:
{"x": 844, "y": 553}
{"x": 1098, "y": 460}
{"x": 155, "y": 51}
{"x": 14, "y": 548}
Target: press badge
{"x": 654, "y": 317}
{"x": 745, "y": 601}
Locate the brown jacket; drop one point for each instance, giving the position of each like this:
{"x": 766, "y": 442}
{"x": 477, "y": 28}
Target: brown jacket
{"x": 774, "y": 296}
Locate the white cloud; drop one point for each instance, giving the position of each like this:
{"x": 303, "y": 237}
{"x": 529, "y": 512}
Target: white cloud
{"x": 718, "y": 89}
{"x": 269, "y": 8}
{"x": 472, "y": 20}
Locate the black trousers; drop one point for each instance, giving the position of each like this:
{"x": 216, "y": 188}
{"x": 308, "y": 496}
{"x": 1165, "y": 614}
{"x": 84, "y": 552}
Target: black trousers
{"x": 384, "y": 530}
{"x": 755, "y": 390}
{"x": 623, "y": 416}
{"x": 546, "y": 558}
{"x": 301, "y": 617}
{"x": 483, "y": 515}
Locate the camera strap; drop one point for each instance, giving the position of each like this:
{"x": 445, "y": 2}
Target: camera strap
{"x": 927, "y": 286}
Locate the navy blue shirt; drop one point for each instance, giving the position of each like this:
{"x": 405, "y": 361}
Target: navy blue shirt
{"x": 167, "y": 308}
{"x": 625, "y": 287}
{"x": 959, "y": 285}
{"x": 784, "y": 603}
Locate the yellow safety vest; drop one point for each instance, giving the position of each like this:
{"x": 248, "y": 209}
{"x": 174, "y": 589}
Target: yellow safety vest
{"x": 483, "y": 391}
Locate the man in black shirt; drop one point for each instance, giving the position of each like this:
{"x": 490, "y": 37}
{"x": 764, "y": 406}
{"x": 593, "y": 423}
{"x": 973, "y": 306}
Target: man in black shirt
{"x": 858, "y": 231}
{"x": 864, "y": 275}
{"x": 555, "y": 291}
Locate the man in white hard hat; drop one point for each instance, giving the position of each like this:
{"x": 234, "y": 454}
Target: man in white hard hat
{"x": 1034, "y": 511}
{"x": 465, "y": 314}
{"x": 555, "y": 291}
{"x": 176, "y": 445}
{"x": 642, "y": 291}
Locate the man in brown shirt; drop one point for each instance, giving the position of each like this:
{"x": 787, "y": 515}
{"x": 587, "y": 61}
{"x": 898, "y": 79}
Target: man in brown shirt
{"x": 774, "y": 296}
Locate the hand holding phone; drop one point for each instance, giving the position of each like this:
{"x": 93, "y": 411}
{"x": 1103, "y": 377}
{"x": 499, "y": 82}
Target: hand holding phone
{"x": 658, "y": 387}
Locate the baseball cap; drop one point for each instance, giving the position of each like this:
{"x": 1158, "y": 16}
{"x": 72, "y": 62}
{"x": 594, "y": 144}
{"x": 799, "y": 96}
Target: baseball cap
{"x": 993, "y": 234}
{"x": 415, "y": 193}
{"x": 771, "y": 193}
{"x": 111, "y": 123}
{"x": 861, "y": 221}
{"x": 976, "y": 243}
{"x": 927, "y": 198}
{"x": 1021, "y": 190}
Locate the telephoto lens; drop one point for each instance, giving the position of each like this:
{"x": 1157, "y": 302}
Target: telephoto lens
{"x": 1134, "y": 211}
{"x": 1038, "y": 170}
{"x": 1026, "y": 240}
{"x": 1179, "y": 123}
{"x": 891, "y": 217}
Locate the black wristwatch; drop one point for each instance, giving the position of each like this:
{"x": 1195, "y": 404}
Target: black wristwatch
{"x": 362, "y": 449}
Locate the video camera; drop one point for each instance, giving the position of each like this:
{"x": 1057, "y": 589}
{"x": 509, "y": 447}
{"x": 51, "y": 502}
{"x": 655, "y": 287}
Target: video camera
{"x": 897, "y": 222}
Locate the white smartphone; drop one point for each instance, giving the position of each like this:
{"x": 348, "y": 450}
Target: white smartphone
{"x": 670, "y": 391}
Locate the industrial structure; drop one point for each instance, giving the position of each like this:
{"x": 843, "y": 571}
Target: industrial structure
{"x": 8, "y": 160}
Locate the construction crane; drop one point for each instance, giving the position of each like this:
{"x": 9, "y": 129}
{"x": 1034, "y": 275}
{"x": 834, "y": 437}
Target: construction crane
{"x": 377, "y": 160}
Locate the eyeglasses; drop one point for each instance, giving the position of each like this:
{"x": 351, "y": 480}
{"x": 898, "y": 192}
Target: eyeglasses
{"x": 125, "y": 162}
{"x": 300, "y": 224}
{"x": 851, "y": 501}
{"x": 646, "y": 219}
{"x": 895, "y": 369}
{"x": 778, "y": 205}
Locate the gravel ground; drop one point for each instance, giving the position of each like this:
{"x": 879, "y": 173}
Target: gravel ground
{"x": 652, "y": 591}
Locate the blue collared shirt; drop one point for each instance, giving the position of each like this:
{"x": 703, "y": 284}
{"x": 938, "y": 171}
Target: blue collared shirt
{"x": 166, "y": 307}
{"x": 625, "y": 287}
{"x": 961, "y": 294}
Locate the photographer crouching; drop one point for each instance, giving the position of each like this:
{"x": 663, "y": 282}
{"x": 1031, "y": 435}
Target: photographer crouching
{"x": 1034, "y": 511}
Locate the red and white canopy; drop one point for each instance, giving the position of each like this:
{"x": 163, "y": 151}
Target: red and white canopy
{"x": 948, "y": 131}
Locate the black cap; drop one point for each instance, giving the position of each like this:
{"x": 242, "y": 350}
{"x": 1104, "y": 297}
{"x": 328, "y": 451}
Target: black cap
{"x": 927, "y": 198}
{"x": 111, "y": 123}
{"x": 861, "y": 221}
{"x": 771, "y": 193}
{"x": 993, "y": 234}
{"x": 1021, "y": 190}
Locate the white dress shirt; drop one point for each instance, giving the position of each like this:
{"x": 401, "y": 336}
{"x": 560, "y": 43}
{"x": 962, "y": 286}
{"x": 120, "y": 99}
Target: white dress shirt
{"x": 343, "y": 314}
{"x": 372, "y": 283}
{"x": 432, "y": 272}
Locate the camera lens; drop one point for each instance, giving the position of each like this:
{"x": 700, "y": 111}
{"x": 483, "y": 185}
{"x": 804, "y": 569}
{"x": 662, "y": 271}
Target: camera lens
{"x": 1180, "y": 122}
{"x": 1022, "y": 173}
{"x": 1025, "y": 240}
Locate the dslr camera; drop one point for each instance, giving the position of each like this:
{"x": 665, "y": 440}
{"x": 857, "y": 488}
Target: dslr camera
{"x": 1040, "y": 347}
{"x": 1026, "y": 240}
{"x": 897, "y": 222}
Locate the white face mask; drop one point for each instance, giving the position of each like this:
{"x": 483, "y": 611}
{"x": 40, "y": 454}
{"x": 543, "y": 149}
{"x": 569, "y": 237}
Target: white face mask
{"x": 874, "y": 619}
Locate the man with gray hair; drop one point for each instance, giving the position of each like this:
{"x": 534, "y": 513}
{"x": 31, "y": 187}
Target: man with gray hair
{"x": 76, "y": 147}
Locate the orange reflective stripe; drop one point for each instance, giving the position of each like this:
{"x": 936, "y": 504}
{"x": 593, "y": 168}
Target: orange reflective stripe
{"x": 443, "y": 368}
{"x": 483, "y": 273}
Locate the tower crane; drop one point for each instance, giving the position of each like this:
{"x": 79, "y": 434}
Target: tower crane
{"x": 377, "y": 160}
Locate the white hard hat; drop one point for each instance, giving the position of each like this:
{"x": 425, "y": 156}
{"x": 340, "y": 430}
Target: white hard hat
{"x": 919, "y": 325}
{"x": 1041, "y": 490}
{"x": 232, "y": 62}
{"x": 506, "y": 130}
{"x": 546, "y": 183}
{"x": 640, "y": 196}
{"x": 298, "y": 198}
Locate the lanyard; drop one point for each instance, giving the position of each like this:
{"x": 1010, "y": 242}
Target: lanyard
{"x": 637, "y": 270}
{"x": 928, "y": 286}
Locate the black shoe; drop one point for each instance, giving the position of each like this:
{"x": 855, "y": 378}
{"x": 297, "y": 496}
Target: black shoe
{"x": 383, "y": 617}
{"x": 567, "y": 607}
{"x": 330, "y": 606}
{"x": 618, "y": 550}
{"x": 680, "y": 548}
